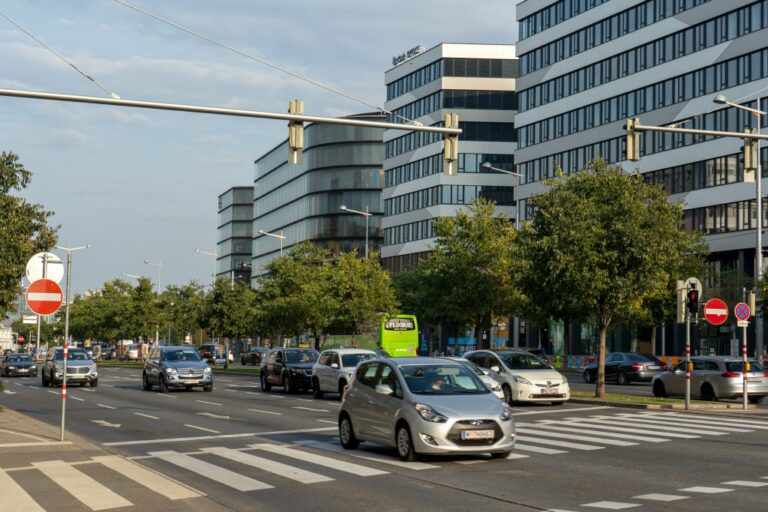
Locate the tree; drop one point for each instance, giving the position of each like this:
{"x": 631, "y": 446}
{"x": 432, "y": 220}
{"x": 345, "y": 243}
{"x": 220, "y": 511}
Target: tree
{"x": 24, "y": 229}
{"x": 605, "y": 241}
{"x": 228, "y": 310}
{"x": 181, "y": 307}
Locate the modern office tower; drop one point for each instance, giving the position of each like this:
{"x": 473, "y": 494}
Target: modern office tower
{"x": 588, "y": 65}
{"x": 475, "y": 81}
{"x": 295, "y": 202}
{"x": 233, "y": 249}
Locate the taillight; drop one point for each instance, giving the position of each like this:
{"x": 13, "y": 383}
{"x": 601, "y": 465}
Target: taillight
{"x": 731, "y": 375}
{"x": 637, "y": 367}
{"x": 663, "y": 367}
{"x": 765, "y": 374}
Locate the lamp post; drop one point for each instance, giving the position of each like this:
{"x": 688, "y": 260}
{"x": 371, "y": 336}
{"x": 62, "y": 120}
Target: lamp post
{"x": 367, "y": 216}
{"x": 135, "y": 276}
{"x": 214, "y": 256}
{"x": 721, "y": 100}
{"x": 159, "y": 267}
{"x": 274, "y": 235}
{"x": 69, "y": 251}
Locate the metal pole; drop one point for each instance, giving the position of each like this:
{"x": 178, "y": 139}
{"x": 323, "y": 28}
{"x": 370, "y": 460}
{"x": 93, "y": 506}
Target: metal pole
{"x": 687, "y": 360}
{"x": 367, "y": 215}
{"x": 744, "y": 368}
{"x": 281, "y": 243}
{"x": 66, "y": 345}
{"x": 39, "y": 317}
{"x": 759, "y": 248}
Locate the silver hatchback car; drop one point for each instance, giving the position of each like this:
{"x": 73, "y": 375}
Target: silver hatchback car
{"x": 422, "y": 405}
{"x": 714, "y": 377}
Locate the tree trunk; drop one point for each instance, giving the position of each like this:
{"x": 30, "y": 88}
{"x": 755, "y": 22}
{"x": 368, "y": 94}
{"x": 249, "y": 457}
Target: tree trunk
{"x": 653, "y": 340}
{"x": 479, "y": 333}
{"x": 600, "y": 381}
{"x": 566, "y": 341}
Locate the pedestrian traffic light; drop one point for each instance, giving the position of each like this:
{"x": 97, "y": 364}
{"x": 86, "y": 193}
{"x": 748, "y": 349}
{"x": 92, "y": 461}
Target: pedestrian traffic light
{"x": 693, "y": 300}
{"x": 295, "y": 133}
{"x": 633, "y": 139}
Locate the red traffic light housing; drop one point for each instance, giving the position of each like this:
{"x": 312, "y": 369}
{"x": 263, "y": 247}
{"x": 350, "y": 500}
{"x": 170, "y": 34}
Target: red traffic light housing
{"x": 693, "y": 300}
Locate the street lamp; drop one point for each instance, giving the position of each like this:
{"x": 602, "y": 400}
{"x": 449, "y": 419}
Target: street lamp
{"x": 721, "y": 100}
{"x": 274, "y": 235}
{"x": 214, "y": 256}
{"x": 135, "y": 276}
{"x": 367, "y": 215}
{"x": 159, "y": 267}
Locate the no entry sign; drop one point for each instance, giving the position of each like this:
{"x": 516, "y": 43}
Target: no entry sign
{"x": 44, "y": 297}
{"x": 715, "y": 311}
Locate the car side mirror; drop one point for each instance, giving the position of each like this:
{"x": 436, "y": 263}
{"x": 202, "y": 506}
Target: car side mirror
{"x": 335, "y": 365}
{"x": 384, "y": 389}
{"x": 496, "y": 369}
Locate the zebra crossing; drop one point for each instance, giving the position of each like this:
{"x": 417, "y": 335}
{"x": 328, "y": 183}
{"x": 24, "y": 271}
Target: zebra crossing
{"x": 262, "y": 466}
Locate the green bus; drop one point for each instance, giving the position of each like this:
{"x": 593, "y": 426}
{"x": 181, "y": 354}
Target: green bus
{"x": 399, "y": 336}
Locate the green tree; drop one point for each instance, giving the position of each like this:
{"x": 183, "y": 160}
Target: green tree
{"x": 606, "y": 241}
{"x": 181, "y": 308}
{"x": 24, "y": 229}
{"x": 229, "y": 310}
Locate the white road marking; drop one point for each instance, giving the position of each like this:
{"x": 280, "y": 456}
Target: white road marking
{"x": 267, "y": 412}
{"x": 81, "y": 486}
{"x": 726, "y": 421}
{"x": 561, "y": 444}
{"x": 211, "y": 471}
{"x": 166, "y": 395}
{"x": 745, "y": 483}
{"x": 657, "y": 420}
{"x": 310, "y": 409}
{"x": 211, "y": 415}
{"x": 551, "y": 411}
{"x": 705, "y": 490}
{"x": 718, "y": 419}
{"x": 14, "y": 497}
{"x": 607, "y": 433}
{"x": 78, "y": 399}
{"x": 627, "y": 427}
{"x": 54, "y": 392}
{"x": 611, "y": 505}
{"x": 512, "y": 456}
{"x": 320, "y": 460}
{"x": 337, "y": 448}
{"x": 203, "y": 429}
{"x": 106, "y": 406}
{"x": 278, "y": 468}
{"x": 326, "y": 421}
{"x": 223, "y": 436}
{"x": 225, "y": 380}
{"x": 661, "y": 497}
{"x": 209, "y": 403}
{"x": 104, "y": 423}
{"x": 305, "y": 400}
{"x": 537, "y": 449}
{"x": 148, "y": 478}
{"x": 146, "y": 416}
{"x": 232, "y": 390}
{"x": 544, "y": 433}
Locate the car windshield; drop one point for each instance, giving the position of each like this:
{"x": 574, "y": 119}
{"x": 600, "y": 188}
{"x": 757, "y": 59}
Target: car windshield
{"x": 738, "y": 366}
{"x": 300, "y": 356}
{"x": 524, "y": 361}
{"x": 181, "y": 355}
{"x": 73, "y": 354}
{"x": 442, "y": 380}
{"x": 355, "y": 359}
{"x": 19, "y": 358}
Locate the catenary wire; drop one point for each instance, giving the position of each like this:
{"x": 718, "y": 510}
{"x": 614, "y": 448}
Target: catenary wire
{"x": 262, "y": 61}
{"x": 72, "y": 65}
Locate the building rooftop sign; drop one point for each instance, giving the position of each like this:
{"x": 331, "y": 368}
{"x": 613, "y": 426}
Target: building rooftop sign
{"x": 407, "y": 55}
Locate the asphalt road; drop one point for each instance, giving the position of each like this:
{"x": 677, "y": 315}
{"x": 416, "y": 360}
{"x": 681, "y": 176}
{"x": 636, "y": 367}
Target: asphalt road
{"x": 248, "y": 450}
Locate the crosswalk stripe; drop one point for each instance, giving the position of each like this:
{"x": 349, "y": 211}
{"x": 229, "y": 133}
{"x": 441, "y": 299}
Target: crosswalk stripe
{"x": 618, "y": 428}
{"x": 375, "y": 457}
{"x": 346, "y": 467}
{"x": 148, "y": 478}
{"x": 747, "y": 423}
{"x": 82, "y": 487}
{"x": 512, "y": 456}
{"x": 278, "y": 468}
{"x": 729, "y": 422}
{"x": 14, "y": 498}
{"x": 678, "y": 427}
{"x": 537, "y": 449}
{"x": 683, "y": 422}
{"x": 590, "y": 431}
{"x": 746, "y": 483}
{"x": 660, "y": 497}
{"x": 667, "y": 432}
{"x": 211, "y": 471}
{"x": 562, "y": 444}
{"x": 540, "y": 432}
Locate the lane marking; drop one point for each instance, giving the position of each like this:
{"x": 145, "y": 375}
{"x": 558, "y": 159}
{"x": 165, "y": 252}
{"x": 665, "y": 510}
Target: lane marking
{"x": 745, "y": 483}
{"x": 326, "y": 421}
{"x": 592, "y": 439}
{"x": 320, "y": 460}
{"x": 562, "y": 444}
{"x": 305, "y": 400}
{"x": 705, "y": 490}
{"x": 750, "y": 423}
{"x": 611, "y": 505}
{"x": 203, "y": 429}
{"x": 209, "y": 403}
{"x": 537, "y": 449}
{"x": 146, "y": 415}
{"x": 211, "y": 471}
{"x": 692, "y": 426}
{"x": 310, "y": 409}
{"x": 278, "y": 468}
{"x": 660, "y": 497}
{"x": 78, "y": 399}
{"x": 647, "y": 429}
{"x": 159, "y": 483}
{"x": 14, "y": 497}
{"x": 723, "y": 421}
{"x": 266, "y": 412}
{"x": 607, "y": 433}
{"x": 223, "y": 436}
{"x": 106, "y": 406}
{"x": 372, "y": 456}
{"x": 166, "y": 395}
{"x": 81, "y": 486}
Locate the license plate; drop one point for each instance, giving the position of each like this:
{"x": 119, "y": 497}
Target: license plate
{"x": 654, "y": 367}
{"x": 755, "y": 379}
{"x": 549, "y": 391}
{"x": 22, "y": 370}
{"x": 476, "y": 434}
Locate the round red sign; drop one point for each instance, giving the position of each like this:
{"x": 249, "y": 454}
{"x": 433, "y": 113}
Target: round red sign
{"x": 44, "y": 297}
{"x": 715, "y": 311}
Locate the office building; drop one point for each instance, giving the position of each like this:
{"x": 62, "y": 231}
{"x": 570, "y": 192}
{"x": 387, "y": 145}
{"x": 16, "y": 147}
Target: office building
{"x": 233, "y": 248}
{"x": 475, "y": 81}
{"x": 588, "y": 65}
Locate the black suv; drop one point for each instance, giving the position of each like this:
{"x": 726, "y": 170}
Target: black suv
{"x": 176, "y": 367}
{"x": 288, "y": 367}
{"x": 81, "y": 369}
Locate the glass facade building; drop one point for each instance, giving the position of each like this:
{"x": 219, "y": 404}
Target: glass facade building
{"x": 477, "y": 82}
{"x": 342, "y": 165}
{"x": 233, "y": 248}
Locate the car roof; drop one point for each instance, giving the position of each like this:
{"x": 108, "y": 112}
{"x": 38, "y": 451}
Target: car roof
{"x": 174, "y": 347}
{"x": 350, "y": 351}
{"x": 407, "y": 361}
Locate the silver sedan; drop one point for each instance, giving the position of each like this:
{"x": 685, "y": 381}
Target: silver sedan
{"x": 421, "y": 405}
{"x": 714, "y": 377}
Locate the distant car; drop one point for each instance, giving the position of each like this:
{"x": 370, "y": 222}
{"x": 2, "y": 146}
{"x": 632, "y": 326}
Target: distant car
{"x": 523, "y": 376}
{"x": 176, "y": 367}
{"x": 18, "y": 365}
{"x": 424, "y": 405}
{"x": 213, "y": 353}
{"x": 483, "y": 375}
{"x": 253, "y": 356}
{"x": 626, "y": 367}
{"x": 80, "y": 368}
{"x": 335, "y": 368}
{"x": 713, "y": 378}
{"x": 290, "y": 368}
{"x": 131, "y": 353}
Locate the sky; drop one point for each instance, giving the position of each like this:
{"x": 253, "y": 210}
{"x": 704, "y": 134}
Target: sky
{"x": 142, "y": 185}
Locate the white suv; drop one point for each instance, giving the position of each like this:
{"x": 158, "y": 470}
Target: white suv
{"x": 335, "y": 369}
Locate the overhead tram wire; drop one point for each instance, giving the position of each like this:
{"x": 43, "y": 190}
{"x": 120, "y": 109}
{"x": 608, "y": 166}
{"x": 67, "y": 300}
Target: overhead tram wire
{"x": 60, "y": 57}
{"x": 262, "y": 61}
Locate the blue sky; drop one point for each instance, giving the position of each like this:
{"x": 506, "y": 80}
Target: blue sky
{"x": 140, "y": 184}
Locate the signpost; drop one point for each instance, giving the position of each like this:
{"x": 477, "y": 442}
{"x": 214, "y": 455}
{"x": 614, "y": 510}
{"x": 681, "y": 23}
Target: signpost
{"x": 44, "y": 265}
{"x": 44, "y": 297}
{"x": 742, "y": 314}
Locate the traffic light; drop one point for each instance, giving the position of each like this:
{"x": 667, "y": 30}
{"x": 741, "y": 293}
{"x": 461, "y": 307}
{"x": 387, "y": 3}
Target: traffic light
{"x": 295, "y": 133}
{"x": 451, "y": 146}
{"x": 693, "y": 301}
{"x": 633, "y": 139}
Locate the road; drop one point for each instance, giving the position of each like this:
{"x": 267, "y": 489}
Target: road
{"x": 248, "y": 450}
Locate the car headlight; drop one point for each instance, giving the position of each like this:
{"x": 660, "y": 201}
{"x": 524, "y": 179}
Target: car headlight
{"x": 11, "y": 367}
{"x": 521, "y": 380}
{"x": 506, "y": 414}
{"x": 207, "y": 370}
{"x": 33, "y": 367}
{"x": 429, "y": 413}
{"x": 171, "y": 371}
{"x": 93, "y": 368}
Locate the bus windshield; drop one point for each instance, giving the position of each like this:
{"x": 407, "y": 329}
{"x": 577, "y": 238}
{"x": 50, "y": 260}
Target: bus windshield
{"x": 399, "y": 335}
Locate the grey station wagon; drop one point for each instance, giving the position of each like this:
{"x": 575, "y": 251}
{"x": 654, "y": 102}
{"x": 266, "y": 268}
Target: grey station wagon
{"x": 176, "y": 367}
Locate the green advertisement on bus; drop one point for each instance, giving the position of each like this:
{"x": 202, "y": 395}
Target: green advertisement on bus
{"x": 399, "y": 336}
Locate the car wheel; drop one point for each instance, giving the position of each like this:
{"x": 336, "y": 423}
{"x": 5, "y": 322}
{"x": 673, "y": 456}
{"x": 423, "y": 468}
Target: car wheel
{"x": 347, "y": 434}
{"x": 265, "y": 385}
{"x": 708, "y": 394}
{"x": 621, "y": 379}
{"x": 208, "y": 388}
{"x": 316, "y": 391}
{"x": 659, "y": 390}
{"x": 145, "y": 382}
{"x": 287, "y": 386}
{"x": 45, "y": 381}
{"x": 507, "y": 394}
{"x": 587, "y": 376}
{"x": 404, "y": 444}
{"x": 755, "y": 399}
{"x": 94, "y": 383}
{"x": 501, "y": 455}
{"x": 163, "y": 385}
